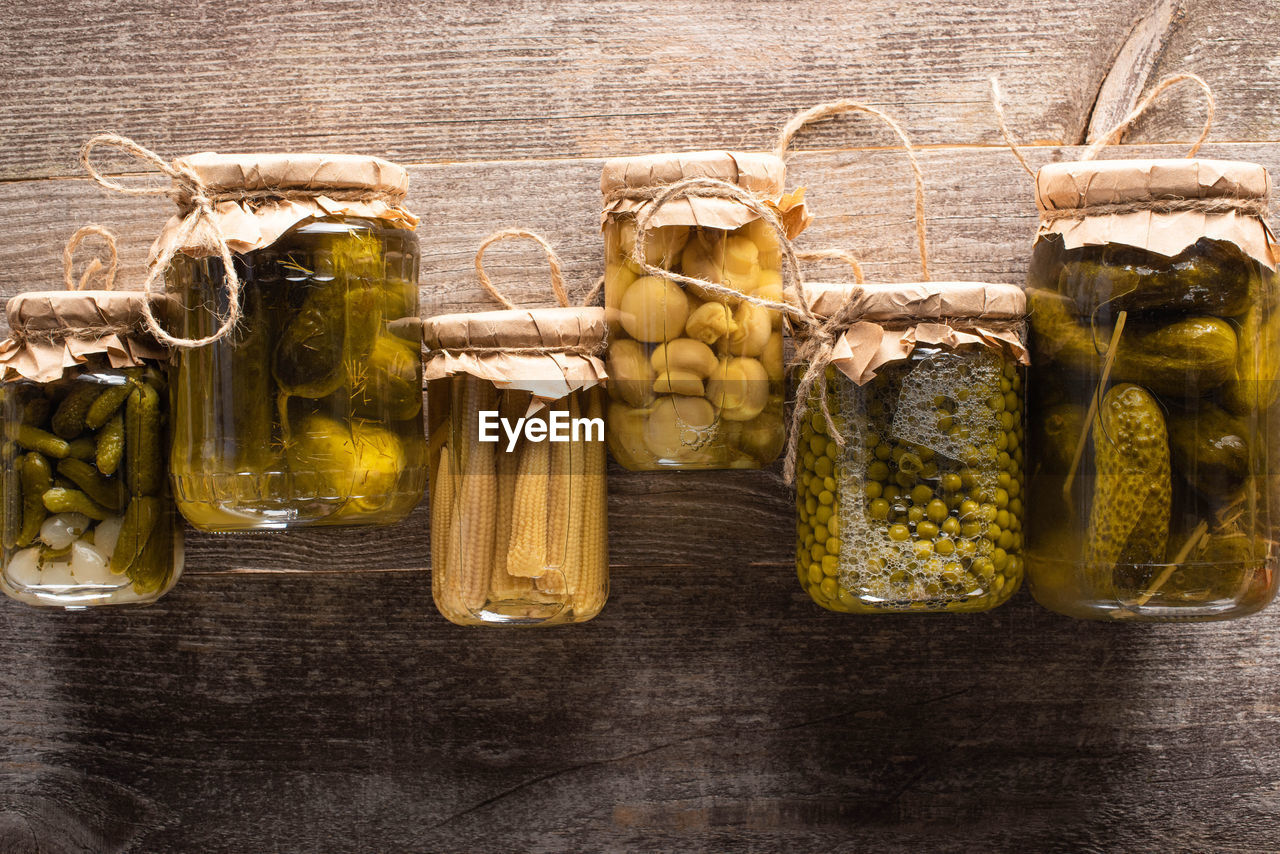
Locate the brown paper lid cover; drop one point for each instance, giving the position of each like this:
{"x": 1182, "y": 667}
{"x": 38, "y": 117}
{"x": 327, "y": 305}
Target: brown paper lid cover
{"x": 473, "y": 343}
{"x": 763, "y": 175}
{"x": 294, "y": 171}
{"x": 1075, "y": 184}
{"x": 920, "y": 300}
{"x": 1083, "y": 185}
{"x": 51, "y": 331}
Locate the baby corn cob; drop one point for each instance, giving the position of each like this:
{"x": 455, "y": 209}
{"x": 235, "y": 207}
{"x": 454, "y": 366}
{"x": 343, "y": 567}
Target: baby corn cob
{"x": 527, "y": 555}
{"x": 594, "y": 583}
{"x": 477, "y": 508}
{"x": 505, "y": 586}
{"x": 442, "y": 498}
{"x": 559, "y": 488}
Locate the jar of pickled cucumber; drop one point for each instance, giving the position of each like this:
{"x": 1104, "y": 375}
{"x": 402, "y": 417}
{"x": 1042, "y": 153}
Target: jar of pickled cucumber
{"x": 308, "y": 411}
{"x": 87, "y": 514}
{"x": 1155, "y": 329}
{"x": 696, "y": 377}
{"x": 921, "y": 509}
{"x": 517, "y": 455}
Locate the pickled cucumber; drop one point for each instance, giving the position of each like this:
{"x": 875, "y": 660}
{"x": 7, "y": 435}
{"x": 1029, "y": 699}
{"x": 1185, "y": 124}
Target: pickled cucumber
{"x": 1129, "y": 518}
{"x": 327, "y": 332}
{"x": 1214, "y": 451}
{"x": 1186, "y": 357}
{"x": 71, "y": 501}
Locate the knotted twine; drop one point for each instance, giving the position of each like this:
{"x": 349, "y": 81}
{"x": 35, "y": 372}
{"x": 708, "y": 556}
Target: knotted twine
{"x": 196, "y": 203}
{"x": 93, "y": 268}
{"x": 1249, "y": 207}
{"x": 815, "y": 344}
{"x": 556, "y": 271}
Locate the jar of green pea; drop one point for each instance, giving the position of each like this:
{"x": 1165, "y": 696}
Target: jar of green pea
{"x": 914, "y": 502}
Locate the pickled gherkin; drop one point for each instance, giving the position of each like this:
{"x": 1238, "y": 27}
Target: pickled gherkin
{"x": 310, "y": 412}
{"x": 1150, "y": 482}
{"x": 922, "y": 509}
{"x": 73, "y": 516}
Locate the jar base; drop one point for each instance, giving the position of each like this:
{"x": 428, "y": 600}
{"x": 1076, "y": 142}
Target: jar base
{"x": 1246, "y": 588}
{"x": 236, "y": 502}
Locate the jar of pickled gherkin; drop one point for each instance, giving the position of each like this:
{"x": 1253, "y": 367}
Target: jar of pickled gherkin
{"x": 921, "y": 507}
{"x": 1154, "y": 412}
{"x": 297, "y": 384}
{"x": 517, "y": 454}
{"x": 87, "y": 514}
{"x": 696, "y": 373}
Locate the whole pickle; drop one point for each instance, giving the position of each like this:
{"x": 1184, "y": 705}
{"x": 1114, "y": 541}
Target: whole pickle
{"x": 1211, "y": 277}
{"x": 139, "y": 522}
{"x": 1212, "y": 449}
{"x": 1182, "y": 358}
{"x": 144, "y": 466}
{"x": 362, "y": 461}
{"x": 92, "y": 483}
{"x": 388, "y": 386}
{"x": 1255, "y": 384}
{"x": 1129, "y": 517}
{"x": 37, "y": 478}
{"x": 335, "y": 327}
{"x": 68, "y": 418}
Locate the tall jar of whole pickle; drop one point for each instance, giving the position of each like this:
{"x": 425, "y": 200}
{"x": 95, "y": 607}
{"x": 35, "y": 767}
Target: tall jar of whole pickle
{"x": 1155, "y": 329}
{"x": 697, "y": 378}
{"x": 515, "y": 413}
{"x": 921, "y": 509}
{"x": 297, "y": 390}
{"x": 88, "y": 519}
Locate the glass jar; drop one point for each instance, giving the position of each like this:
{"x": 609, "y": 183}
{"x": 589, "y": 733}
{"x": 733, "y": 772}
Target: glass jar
{"x": 922, "y": 508}
{"x": 1153, "y": 418}
{"x": 518, "y": 507}
{"x": 87, "y": 514}
{"x": 696, "y": 379}
{"x": 310, "y": 411}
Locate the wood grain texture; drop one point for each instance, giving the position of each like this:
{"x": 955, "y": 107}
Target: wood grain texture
{"x": 338, "y": 713}
{"x": 297, "y": 692}
{"x": 465, "y": 81}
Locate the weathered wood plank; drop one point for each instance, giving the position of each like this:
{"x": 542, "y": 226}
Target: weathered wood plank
{"x": 465, "y": 81}
{"x": 707, "y": 709}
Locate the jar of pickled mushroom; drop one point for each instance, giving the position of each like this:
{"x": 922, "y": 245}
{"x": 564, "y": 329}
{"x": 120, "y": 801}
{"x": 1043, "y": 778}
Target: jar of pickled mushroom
{"x": 87, "y": 514}
{"x": 921, "y": 507}
{"x": 297, "y": 384}
{"x": 696, "y": 374}
{"x": 1155, "y": 330}
{"x": 515, "y": 414}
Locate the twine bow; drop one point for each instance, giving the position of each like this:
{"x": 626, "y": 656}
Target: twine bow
{"x": 557, "y": 288}
{"x": 1114, "y": 135}
{"x": 94, "y": 267}
{"x": 815, "y": 347}
{"x": 192, "y": 197}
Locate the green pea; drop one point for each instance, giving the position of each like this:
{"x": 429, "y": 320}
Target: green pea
{"x": 951, "y": 526}
{"x": 915, "y": 514}
{"x": 945, "y": 547}
{"x": 825, "y": 497}
{"x": 830, "y": 565}
{"x": 833, "y": 545}
{"x": 829, "y": 588}
{"x": 815, "y": 573}
{"x": 823, "y": 467}
{"x": 951, "y": 482}
{"x": 927, "y": 530}
{"x": 937, "y": 510}
{"x": 923, "y": 549}
{"x": 883, "y": 451}
{"x": 899, "y": 533}
{"x": 873, "y": 489}
{"x": 921, "y": 494}
{"x": 879, "y": 470}
{"x": 968, "y": 508}
{"x": 878, "y": 510}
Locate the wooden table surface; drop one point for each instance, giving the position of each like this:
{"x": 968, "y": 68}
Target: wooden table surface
{"x": 298, "y": 692}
